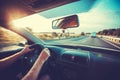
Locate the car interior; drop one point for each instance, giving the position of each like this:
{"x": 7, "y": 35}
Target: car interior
{"x": 66, "y": 62}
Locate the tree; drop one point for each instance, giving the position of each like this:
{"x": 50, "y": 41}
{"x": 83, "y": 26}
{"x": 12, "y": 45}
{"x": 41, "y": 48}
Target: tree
{"x": 110, "y": 32}
{"x": 118, "y": 32}
{"x": 105, "y": 32}
{"x": 54, "y": 34}
{"x": 82, "y": 33}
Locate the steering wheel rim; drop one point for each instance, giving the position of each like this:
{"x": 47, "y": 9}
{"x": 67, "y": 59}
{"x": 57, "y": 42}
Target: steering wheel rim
{"x": 37, "y": 45}
{"x": 29, "y": 58}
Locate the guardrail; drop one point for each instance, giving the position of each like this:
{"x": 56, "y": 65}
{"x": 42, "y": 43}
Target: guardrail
{"x": 111, "y": 38}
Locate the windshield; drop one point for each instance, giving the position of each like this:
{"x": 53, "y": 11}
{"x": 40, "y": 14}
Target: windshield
{"x": 99, "y": 26}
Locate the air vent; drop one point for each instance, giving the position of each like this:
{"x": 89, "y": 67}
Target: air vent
{"x": 77, "y": 59}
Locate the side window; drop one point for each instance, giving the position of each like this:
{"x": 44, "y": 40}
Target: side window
{"x": 9, "y": 40}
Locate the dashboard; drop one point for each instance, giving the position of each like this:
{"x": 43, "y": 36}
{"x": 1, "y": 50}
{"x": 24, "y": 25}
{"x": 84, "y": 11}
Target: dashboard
{"x": 74, "y": 63}
{"x": 75, "y": 57}
{"x": 81, "y": 64}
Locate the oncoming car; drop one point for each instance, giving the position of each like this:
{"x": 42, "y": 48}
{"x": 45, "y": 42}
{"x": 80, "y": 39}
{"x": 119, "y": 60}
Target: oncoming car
{"x": 60, "y": 30}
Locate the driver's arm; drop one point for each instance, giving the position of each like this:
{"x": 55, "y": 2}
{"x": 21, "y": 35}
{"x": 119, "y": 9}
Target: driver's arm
{"x": 9, "y": 60}
{"x": 34, "y": 71}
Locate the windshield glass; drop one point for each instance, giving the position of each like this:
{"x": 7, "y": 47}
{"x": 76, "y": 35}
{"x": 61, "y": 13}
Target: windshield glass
{"x": 99, "y": 26}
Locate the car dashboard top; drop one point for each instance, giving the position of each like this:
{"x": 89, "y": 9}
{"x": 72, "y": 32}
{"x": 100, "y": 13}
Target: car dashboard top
{"x": 82, "y": 58}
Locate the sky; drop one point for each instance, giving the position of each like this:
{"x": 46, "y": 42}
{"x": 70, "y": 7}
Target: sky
{"x": 104, "y": 14}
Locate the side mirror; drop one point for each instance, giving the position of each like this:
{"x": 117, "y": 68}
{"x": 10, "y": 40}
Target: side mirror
{"x": 66, "y": 22}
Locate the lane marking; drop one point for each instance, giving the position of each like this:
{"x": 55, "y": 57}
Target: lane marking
{"x": 110, "y": 43}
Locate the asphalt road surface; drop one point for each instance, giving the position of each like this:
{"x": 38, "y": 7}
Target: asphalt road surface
{"x": 85, "y": 40}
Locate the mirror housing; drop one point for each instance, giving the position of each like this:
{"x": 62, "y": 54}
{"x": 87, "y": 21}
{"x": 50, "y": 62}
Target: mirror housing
{"x": 66, "y": 22}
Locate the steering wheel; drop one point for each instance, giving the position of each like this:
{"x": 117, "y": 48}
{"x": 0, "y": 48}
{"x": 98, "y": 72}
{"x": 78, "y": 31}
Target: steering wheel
{"x": 29, "y": 59}
{"x": 36, "y": 46}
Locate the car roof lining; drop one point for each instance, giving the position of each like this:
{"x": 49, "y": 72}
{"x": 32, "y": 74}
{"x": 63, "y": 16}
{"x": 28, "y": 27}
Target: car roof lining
{"x": 15, "y": 9}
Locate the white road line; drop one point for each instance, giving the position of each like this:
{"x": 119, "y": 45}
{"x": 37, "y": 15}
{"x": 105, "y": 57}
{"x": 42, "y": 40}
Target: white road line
{"x": 110, "y": 43}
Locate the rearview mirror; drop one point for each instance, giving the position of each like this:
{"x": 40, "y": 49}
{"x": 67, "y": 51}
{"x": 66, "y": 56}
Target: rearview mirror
{"x": 66, "y": 22}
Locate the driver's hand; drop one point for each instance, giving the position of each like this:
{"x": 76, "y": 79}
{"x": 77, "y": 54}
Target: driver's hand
{"x": 27, "y": 49}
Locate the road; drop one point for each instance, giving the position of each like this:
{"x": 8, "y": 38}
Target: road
{"x": 84, "y": 40}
